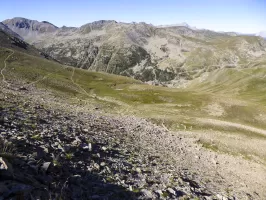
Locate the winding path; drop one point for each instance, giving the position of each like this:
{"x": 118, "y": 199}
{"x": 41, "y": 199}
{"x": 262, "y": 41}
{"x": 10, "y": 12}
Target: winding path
{"x": 71, "y": 78}
{"x": 5, "y": 65}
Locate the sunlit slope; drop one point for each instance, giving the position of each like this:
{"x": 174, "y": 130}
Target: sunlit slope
{"x": 225, "y": 103}
{"x": 246, "y": 83}
{"x": 80, "y": 83}
{"x": 242, "y": 89}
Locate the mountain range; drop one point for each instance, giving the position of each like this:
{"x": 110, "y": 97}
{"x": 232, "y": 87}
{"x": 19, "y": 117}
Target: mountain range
{"x": 67, "y": 131}
{"x": 162, "y": 55}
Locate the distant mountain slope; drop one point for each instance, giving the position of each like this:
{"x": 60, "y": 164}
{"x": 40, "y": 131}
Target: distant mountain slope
{"x": 9, "y": 40}
{"x": 29, "y": 29}
{"x": 140, "y": 50}
{"x": 10, "y": 32}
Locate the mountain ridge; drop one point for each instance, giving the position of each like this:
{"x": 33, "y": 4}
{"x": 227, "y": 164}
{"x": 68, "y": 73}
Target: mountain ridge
{"x": 10, "y": 32}
{"x": 153, "y": 54}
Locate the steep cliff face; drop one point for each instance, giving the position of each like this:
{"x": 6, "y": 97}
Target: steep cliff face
{"x": 140, "y": 50}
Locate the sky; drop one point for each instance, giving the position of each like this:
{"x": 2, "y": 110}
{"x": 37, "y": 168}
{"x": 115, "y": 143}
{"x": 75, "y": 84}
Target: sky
{"x": 243, "y": 16}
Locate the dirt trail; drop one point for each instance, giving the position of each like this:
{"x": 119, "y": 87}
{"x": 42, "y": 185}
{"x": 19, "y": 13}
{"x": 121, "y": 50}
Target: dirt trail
{"x": 5, "y": 65}
{"x": 43, "y": 78}
{"x": 231, "y": 124}
{"x": 107, "y": 99}
{"x": 71, "y": 78}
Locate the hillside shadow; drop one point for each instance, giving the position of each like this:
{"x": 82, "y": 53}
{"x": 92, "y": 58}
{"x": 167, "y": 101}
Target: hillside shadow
{"x": 43, "y": 178}
{"x": 49, "y": 166}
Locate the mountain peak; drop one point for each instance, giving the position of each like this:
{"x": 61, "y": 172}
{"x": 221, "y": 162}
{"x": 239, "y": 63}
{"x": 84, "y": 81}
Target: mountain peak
{"x": 28, "y": 28}
{"x": 20, "y": 22}
{"x": 96, "y": 25}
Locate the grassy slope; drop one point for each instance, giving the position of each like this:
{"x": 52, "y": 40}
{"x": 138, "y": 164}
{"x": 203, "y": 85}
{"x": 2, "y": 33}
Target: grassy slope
{"x": 240, "y": 95}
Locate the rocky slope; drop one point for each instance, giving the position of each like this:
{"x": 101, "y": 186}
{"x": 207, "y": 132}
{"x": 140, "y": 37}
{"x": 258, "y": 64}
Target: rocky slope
{"x": 140, "y": 50}
{"x": 53, "y": 150}
{"x": 9, "y": 31}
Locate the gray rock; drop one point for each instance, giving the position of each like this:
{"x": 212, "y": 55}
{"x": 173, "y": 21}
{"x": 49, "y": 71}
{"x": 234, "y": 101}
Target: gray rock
{"x": 41, "y": 152}
{"x": 138, "y": 170}
{"x": 85, "y": 130}
{"x": 89, "y": 147}
{"x": 104, "y": 148}
{"x": 221, "y": 197}
{"x": 147, "y": 194}
{"x": 45, "y": 166}
{"x": 96, "y": 166}
{"x": 3, "y": 164}
{"x": 171, "y": 191}
{"x": 159, "y": 193}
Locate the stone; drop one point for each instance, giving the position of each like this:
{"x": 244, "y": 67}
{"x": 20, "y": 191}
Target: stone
{"x": 96, "y": 166}
{"x": 171, "y": 191}
{"x": 85, "y": 130}
{"x": 66, "y": 148}
{"x": 45, "y": 166}
{"x": 138, "y": 170}
{"x": 40, "y": 152}
{"x": 159, "y": 193}
{"x": 22, "y": 88}
{"x": 104, "y": 148}
{"x": 89, "y": 147}
{"x": 3, "y": 165}
{"x": 147, "y": 194}
{"x": 220, "y": 197}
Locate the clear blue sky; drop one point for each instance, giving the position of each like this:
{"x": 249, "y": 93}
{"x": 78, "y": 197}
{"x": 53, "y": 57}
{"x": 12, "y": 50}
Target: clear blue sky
{"x": 247, "y": 16}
